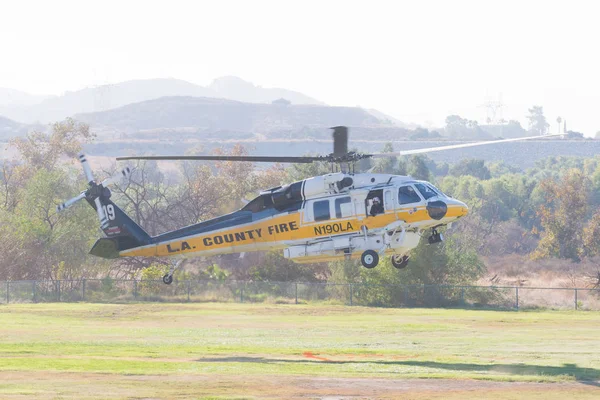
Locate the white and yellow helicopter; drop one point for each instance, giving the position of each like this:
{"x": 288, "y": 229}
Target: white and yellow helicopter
{"x": 334, "y": 216}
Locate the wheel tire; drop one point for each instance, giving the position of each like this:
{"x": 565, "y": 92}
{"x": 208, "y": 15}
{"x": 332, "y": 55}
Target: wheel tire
{"x": 369, "y": 259}
{"x": 168, "y": 279}
{"x": 401, "y": 262}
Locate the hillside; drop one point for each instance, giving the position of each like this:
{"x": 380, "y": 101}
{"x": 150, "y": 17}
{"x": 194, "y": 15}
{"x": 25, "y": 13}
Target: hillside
{"x": 30, "y": 109}
{"x": 10, "y": 129}
{"x": 12, "y": 97}
{"x": 196, "y": 117}
{"x": 234, "y": 88}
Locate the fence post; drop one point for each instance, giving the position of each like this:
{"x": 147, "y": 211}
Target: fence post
{"x": 351, "y": 293}
{"x": 462, "y": 296}
{"x": 7, "y": 292}
{"x": 296, "y": 292}
{"x": 58, "y": 290}
{"x": 33, "y": 289}
{"x": 517, "y": 295}
{"x": 83, "y": 290}
{"x": 575, "y": 299}
{"x": 135, "y": 290}
{"x": 242, "y": 295}
{"x": 188, "y": 289}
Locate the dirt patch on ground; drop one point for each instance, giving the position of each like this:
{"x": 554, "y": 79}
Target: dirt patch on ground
{"x": 50, "y": 385}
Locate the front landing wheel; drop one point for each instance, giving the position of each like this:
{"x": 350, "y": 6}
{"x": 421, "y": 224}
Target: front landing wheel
{"x": 168, "y": 279}
{"x": 399, "y": 262}
{"x": 369, "y": 259}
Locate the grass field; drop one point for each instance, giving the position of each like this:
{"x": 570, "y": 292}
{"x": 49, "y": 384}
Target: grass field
{"x": 247, "y": 351}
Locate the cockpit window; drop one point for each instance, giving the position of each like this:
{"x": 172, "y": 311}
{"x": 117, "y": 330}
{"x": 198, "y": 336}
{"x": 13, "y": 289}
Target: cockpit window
{"x": 256, "y": 205}
{"x": 426, "y": 190}
{"x": 407, "y": 195}
{"x": 260, "y": 203}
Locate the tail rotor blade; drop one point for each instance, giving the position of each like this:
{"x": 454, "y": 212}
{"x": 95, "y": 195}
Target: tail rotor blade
{"x": 101, "y": 215}
{"x": 86, "y": 168}
{"x": 69, "y": 203}
{"x": 125, "y": 172}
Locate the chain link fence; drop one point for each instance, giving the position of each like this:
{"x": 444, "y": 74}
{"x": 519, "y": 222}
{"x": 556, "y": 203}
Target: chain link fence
{"x": 122, "y": 291}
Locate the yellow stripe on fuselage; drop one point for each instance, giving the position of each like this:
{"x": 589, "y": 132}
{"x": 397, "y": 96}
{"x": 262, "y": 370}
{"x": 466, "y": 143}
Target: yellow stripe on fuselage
{"x": 277, "y": 232}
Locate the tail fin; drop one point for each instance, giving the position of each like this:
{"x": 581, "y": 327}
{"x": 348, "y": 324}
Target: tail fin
{"x": 122, "y": 232}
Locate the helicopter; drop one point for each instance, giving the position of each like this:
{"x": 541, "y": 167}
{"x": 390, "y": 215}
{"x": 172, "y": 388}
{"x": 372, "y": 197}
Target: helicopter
{"x": 340, "y": 215}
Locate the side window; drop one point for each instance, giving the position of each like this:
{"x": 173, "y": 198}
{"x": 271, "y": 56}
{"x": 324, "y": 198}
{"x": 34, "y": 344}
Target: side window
{"x": 374, "y": 202}
{"x": 407, "y": 195}
{"x": 321, "y": 210}
{"x": 343, "y": 207}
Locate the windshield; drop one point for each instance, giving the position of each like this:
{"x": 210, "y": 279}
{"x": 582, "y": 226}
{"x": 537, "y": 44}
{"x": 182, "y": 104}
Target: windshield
{"x": 427, "y": 190}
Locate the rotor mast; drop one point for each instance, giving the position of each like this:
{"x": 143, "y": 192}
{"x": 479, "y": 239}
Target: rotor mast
{"x": 340, "y": 147}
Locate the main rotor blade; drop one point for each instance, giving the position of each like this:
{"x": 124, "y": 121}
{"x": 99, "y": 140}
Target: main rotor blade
{"x": 281, "y": 159}
{"x": 86, "y": 168}
{"x": 69, "y": 203}
{"x": 458, "y": 146}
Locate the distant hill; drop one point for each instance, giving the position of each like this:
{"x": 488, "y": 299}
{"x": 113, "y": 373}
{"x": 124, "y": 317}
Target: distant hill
{"x": 12, "y": 97}
{"x": 106, "y": 97}
{"x": 234, "y": 88}
{"x": 10, "y": 129}
{"x": 194, "y": 117}
{"x": 378, "y": 114}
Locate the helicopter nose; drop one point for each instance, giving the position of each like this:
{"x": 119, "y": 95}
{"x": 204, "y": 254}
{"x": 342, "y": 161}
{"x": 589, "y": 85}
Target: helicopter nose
{"x": 463, "y": 209}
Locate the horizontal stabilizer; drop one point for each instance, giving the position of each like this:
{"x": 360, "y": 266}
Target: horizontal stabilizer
{"x": 105, "y": 248}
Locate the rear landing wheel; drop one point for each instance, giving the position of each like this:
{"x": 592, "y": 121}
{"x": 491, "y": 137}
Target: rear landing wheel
{"x": 369, "y": 259}
{"x": 400, "y": 262}
{"x": 168, "y": 279}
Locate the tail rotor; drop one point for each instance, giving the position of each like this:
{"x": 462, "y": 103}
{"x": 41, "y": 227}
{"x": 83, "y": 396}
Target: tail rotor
{"x": 87, "y": 170}
{"x": 125, "y": 172}
{"x": 69, "y": 203}
{"x": 96, "y": 191}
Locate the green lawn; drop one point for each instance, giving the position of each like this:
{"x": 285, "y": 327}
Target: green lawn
{"x": 254, "y": 350}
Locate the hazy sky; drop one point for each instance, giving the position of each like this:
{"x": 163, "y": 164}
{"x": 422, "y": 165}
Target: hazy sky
{"x": 416, "y": 60}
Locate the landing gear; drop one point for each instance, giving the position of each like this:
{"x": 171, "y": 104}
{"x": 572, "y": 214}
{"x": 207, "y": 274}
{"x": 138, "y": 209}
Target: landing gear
{"x": 435, "y": 237}
{"x": 168, "y": 278}
{"x": 400, "y": 262}
{"x": 369, "y": 259}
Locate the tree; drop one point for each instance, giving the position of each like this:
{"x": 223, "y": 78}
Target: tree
{"x": 574, "y": 135}
{"x": 498, "y": 169}
{"x": 238, "y": 177}
{"x": 424, "y": 134}
{"x": 417, "y": 168}
{"x": 281, "y": 102}
{"x": 298, "y": 172}
{"x": 471, "y": 167}
{"x": 537, "y": 121}
{"x": 591, "y": 237}
{"x": 447, "y": 263}
{"x": 562, "y": 216}
{"x": 38, "y": 243}
{"x": 40, "y": 150}
{"x": 462, "y": 128}
{"x": 385, "y": 165}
